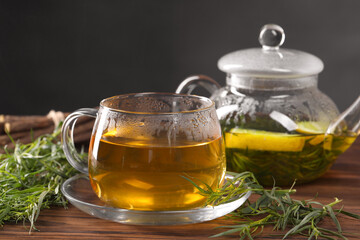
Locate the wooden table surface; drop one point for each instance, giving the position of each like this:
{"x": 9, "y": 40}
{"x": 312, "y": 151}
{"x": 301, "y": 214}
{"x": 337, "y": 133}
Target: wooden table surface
{"x": 342, "y": 181}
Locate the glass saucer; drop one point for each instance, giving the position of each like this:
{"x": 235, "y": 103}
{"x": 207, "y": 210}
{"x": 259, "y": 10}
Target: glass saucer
{"x": 78, "y": 191}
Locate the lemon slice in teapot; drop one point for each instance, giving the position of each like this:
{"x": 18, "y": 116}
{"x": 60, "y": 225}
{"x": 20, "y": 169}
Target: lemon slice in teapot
{"x": 311, "y": 127}
{"x": 264, "y": 140}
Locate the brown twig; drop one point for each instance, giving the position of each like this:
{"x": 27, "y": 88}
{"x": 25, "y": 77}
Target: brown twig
{"x": 27, "y": 124}
{"x": 25, "y": 129}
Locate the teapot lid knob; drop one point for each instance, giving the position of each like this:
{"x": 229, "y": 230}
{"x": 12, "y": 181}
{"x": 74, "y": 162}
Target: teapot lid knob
{"x": 271, "y": 36}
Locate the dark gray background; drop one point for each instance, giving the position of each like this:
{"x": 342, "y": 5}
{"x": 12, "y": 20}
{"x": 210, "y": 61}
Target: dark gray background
{"x": 64, "y": 55}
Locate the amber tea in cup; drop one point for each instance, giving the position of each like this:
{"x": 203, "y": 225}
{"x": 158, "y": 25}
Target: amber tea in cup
{"x": 143, "y": 145}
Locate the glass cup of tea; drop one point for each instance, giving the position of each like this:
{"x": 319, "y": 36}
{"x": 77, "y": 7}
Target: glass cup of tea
{"x": 144, "y": 147}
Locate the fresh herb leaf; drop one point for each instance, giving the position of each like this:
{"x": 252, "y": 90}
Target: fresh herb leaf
{"x": 30, "y": 178}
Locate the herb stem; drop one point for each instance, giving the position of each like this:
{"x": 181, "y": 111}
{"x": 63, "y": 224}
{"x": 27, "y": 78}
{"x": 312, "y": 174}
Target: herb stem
{"x": 275, "y": 207}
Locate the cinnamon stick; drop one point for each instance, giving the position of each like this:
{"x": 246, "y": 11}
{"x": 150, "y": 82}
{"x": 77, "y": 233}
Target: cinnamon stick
{"x": 25, "y": 129}
{"x": 13, "y": 118}
{"x": 35, "y": 134}
{"x": 4, "y": 139}
{"x": 27, "y": 124}
{"x": 13, "y": 124}
{"x": 82, "y": 131}
{"x": 8, "y": 119}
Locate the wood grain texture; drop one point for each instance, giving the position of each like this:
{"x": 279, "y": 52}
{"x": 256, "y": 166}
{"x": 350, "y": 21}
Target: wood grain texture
{"x": 342, "y": 181}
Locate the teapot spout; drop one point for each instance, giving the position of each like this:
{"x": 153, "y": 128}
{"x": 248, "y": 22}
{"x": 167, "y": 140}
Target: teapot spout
{"x": 347, "y": 122}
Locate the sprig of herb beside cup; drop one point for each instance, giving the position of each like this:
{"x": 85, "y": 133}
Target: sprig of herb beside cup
{"x": 30, "y": 178}
{"x": 273, "y": 207}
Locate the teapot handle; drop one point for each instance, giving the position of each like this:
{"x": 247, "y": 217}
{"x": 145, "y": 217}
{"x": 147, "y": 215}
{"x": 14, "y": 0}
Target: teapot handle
{"x": 351, "y": 117}
{"x": 190, "y": 83}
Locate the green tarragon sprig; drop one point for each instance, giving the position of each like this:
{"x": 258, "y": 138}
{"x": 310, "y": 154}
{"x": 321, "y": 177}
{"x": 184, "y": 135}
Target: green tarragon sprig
{"x": 273, "y": 207}
{"x": 30, "y": 178}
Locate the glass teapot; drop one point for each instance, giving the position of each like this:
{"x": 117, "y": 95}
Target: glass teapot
{"x": 275, "y": 121}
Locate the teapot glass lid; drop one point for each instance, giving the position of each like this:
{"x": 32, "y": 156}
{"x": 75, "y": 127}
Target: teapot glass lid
{"x": 271, "y": 61}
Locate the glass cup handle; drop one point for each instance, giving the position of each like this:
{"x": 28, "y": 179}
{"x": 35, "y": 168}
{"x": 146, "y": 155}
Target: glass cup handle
{"x": 67, "y": 138}
{"x": 190, "y": 83}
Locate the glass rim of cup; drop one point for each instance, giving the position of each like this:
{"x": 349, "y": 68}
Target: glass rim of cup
{"x": 202, "y": 98}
